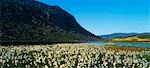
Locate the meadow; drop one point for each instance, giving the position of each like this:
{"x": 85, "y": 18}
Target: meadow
{"x": 74, "y": 56}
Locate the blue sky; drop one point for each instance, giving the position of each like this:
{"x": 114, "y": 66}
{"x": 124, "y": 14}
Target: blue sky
{"x": 108, "y": 16}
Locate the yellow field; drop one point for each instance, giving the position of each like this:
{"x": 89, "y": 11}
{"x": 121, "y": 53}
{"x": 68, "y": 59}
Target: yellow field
{"x": 131, "y": 39}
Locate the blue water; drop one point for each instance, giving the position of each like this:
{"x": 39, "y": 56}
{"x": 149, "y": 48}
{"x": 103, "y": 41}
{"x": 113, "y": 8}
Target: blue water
{"x": 122, "y": 43}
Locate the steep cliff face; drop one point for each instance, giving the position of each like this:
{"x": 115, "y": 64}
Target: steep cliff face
{"x": 32, "y": 21}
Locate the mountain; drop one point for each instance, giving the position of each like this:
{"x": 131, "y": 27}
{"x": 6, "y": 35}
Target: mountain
{"x": 142, "y": 37}
{"x": 32, "y": 21}
{"x": 114, "y": 35}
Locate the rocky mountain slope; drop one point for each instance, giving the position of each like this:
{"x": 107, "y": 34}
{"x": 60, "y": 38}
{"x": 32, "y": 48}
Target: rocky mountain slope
{"x": 32, "y": 21}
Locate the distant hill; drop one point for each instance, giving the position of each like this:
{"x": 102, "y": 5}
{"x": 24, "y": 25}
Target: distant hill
{"x": 114, "y": 35}
{"x": 32, "y": 21}
{"x": 143, "y": 37}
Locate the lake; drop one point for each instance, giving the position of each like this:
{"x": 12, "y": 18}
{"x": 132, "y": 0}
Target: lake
{"x": 121, "y": 43}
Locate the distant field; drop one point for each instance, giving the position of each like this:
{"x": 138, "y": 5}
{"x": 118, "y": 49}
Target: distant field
{"x": 134, "y": 38}
{"x": 74, "y": 55}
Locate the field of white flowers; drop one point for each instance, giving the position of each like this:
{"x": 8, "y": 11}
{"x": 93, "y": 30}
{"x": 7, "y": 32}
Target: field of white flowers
{"x": 71, "y": 56}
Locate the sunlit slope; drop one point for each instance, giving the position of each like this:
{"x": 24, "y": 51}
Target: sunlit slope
{"x": 138, "y": 37}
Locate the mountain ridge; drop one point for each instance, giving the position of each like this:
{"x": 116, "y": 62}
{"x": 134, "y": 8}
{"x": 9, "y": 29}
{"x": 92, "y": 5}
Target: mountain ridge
{"x": 113, "y": 35}
{"x": 117, "y": 35}
{"x": 33, "y": 21}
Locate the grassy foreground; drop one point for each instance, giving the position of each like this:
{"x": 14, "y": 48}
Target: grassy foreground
{"x": 73, "y": 56}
